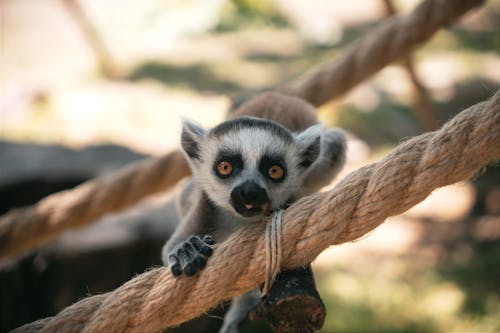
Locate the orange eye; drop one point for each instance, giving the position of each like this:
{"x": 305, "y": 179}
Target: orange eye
{"x": 224, "y": 168}
{"x": 275, "y": 172}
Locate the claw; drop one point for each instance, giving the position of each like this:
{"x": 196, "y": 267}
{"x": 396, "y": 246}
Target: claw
{"x": 191, "y": 255}
{"x": 209, "y": 240}
{"x": 199, "y": 262}
{"x": 175, "y": 266}
{"x": 176, "y": 269}
{"x": 201, "y": 245}
{"x": 206, "y": 250}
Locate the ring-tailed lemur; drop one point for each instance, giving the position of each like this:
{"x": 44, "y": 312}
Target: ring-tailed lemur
{"x": 244, "y": 169}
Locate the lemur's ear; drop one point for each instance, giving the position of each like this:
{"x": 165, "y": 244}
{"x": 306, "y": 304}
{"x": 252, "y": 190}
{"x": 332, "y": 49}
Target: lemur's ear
{"x": 191, "y": 138}
{"x": 309, "y": 143}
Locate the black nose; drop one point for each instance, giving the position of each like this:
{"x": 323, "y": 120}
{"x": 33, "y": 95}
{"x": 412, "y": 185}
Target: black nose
{"x": 249, "y": 193}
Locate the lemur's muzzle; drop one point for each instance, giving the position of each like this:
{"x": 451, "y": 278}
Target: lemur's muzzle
{"x": 249, "y": 199}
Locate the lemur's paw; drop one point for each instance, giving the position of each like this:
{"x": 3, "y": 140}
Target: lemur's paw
{"x": 333, "y": 145}
{"x": 191, "y": 255}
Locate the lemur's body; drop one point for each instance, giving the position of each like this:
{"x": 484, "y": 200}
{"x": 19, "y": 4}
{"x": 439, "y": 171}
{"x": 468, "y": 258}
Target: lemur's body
{"x": 243, "y": 170}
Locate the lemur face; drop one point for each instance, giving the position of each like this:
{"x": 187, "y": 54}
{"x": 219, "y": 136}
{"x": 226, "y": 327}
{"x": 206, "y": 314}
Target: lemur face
{"x": 249, "y": 166}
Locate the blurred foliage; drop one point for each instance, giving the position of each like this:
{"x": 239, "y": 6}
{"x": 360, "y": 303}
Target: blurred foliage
{"x": 388, "y": 125}
{"x": 480, "y": 41}
{"x": 198, "y": 77}
{"x": 237, "y": 14}
{"x": 456, "y": 294}
{"x": 477, "y": 275}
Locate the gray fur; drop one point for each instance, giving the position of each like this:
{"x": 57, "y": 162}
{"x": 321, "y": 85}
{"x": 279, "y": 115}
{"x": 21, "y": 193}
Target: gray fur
{"x": 311, "y": 159}
{"x": 251, "y": 123}
{"x": 191, "y": 138}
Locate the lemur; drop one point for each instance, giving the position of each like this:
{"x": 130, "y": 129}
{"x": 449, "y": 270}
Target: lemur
{"x": 270, "y": 152}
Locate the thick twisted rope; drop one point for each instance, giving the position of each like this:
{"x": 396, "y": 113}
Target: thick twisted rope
{"x": 390, "y": 42}
{"x": 156, "y": 300}
{"x": 24, "y": 229}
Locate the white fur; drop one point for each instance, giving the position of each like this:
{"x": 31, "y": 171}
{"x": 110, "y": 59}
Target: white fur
{"x": 253, "y": 143}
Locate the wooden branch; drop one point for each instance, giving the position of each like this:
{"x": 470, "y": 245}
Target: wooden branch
{"x": 293, "y": 304}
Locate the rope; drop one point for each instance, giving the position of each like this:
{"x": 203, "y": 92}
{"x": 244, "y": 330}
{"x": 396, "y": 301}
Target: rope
{"x": 273, "y": 249}
{"x": 393, "y": 40}
{"x": 24, "y": 229}
{"x": 156, "y": 300}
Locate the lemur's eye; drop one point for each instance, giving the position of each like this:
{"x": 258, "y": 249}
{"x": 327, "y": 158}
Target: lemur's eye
{"x": 275, "y": 172}
{"x": 224, "y": 168}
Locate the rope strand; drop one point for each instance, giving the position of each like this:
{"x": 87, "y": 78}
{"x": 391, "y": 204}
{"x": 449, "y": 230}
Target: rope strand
{"x": 273, "y": 249}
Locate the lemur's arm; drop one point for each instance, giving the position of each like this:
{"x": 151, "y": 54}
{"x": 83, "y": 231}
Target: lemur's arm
{"x": 187, "y": 249}
{"x": 329, "y": 163}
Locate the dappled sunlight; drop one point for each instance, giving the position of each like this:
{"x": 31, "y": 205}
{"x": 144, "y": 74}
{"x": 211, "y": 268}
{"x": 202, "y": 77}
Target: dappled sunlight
{"x": 235, "y": 45}
{"x": 487, "y": 228}
{"x": 445, "y": 300}
{"x": 393, "y": 277}
{"x": 396, "y": 236}
{"x": 126, "y": 72}
{"x": 144, "y": 116}
{"x": 394, "y": 293}
{"x": 448, "y": 203}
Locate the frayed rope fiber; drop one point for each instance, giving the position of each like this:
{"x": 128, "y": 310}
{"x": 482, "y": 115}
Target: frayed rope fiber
{"x": 273, "y": 249}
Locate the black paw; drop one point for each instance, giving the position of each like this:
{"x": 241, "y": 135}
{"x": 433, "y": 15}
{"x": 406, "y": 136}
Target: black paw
{"x": 333, "y": 146}
{"x": 191, "y": 255}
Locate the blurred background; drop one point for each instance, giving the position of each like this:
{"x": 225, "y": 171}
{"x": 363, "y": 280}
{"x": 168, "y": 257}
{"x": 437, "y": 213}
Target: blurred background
{"x": 87, "y": 86}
